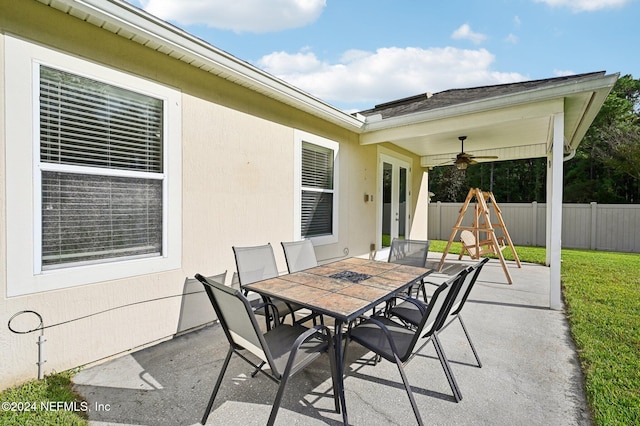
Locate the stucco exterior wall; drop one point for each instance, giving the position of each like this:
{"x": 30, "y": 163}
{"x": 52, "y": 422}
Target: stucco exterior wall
{"x": 237, "y": 189}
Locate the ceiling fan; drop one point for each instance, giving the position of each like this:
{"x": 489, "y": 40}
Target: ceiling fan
{"x": 463, "y": 159}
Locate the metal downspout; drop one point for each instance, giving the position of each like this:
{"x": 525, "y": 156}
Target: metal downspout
{"x": 569, "y": 156}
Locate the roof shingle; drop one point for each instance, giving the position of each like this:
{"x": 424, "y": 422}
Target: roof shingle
{"x": 447, "y": 98}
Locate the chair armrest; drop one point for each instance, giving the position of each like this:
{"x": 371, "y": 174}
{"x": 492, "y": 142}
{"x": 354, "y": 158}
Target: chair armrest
{"x": 303, "y": 338}
{"x": 416, "y": 302}
{"x": 310, "y": 333}
{"x": 385, "y": 330}
{"x": 266, "y": 305}
{"x": 392, "y": 302}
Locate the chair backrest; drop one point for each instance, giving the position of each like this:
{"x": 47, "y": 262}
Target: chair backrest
{"x": 195, "y": 311}
{"x": 255, "y": 263}
{"x": 235, "y": 281}
{"x": 440, "y": 305}
{"x": 437, "y": 311}
{"x": 237, "y": 319}
{"x": 468, "y": 283}
{"x": 299, "y": 255}
{"x": 194, "y": 284}
{"x": 409, "y": 252}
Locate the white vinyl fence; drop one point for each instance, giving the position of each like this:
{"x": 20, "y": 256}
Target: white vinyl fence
{"x": 607, "y": 227}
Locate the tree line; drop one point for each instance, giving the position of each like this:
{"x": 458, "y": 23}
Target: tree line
{"x": 605, "y": 169}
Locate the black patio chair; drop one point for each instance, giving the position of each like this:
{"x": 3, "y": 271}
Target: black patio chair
{"x": 195, "y": 311}
{"x": 285, "y": 349}
{"x": 396, "y": 343}
{"x": 410, "y": 314}
{"x": 409, "y": 252}
{"x": 257, "y": 263}
{"x": 299, "y": 255}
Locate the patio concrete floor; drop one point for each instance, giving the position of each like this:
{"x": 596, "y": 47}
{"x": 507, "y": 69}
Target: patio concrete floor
{"x": 530, "y": 373}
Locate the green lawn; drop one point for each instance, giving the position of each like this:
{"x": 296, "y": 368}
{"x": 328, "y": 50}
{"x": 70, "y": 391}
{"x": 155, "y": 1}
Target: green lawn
{"x": 602, "y": 294}
{"x": 42, "y": 402}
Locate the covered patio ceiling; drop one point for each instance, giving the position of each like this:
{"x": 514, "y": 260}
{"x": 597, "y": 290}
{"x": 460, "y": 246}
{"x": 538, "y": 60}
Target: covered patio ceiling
{"x": 541, "y": 118}
{"x": 511, "y": 121}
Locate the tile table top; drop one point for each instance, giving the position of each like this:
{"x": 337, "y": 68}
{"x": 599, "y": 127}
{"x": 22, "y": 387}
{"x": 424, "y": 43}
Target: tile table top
{"x": 344, "y": 289}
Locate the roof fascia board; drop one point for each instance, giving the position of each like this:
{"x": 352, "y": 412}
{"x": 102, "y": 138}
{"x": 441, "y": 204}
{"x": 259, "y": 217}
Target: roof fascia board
{"x": 560, "y": 90}
{"x": 481, "y": 117}
{"x": 598, "y": 98}
{"x": 136, "y": 21}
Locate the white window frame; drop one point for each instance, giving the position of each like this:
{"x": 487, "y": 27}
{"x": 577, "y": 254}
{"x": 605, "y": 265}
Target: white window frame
{"x": 24, "y": 271}
{"x": 300, "y": 137}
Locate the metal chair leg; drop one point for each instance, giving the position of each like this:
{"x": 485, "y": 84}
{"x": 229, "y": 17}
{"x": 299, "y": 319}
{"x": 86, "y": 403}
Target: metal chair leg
{"x": 217, "y": 387}
{"x": 276, "y": 403}
{"x": 470, "y": 342}
{"x": 257, "y": 370}
{"x": 407, "y": 387}
{"x": 287, "y": 372}
{"x": 447, "y": 368}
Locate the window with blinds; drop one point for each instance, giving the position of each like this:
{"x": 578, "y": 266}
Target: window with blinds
{"x": 317, "y": 190}
{"x": 101, "y": 161}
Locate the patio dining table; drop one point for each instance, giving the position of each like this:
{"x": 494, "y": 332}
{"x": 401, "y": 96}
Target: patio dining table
{"x": 342, "y": 290}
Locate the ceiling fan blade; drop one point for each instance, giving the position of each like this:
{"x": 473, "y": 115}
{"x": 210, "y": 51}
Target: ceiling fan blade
{"x": 463, "y": 159}
{"x": 445, "y": 163}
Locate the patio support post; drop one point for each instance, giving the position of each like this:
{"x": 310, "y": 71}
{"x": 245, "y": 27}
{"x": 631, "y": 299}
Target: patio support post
{"x": 554, "y": 211}
{"x": 419, "y": 220}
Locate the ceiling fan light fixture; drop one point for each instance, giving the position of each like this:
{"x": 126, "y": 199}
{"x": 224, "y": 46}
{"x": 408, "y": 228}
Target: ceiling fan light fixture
{"x": 463, "y": 160}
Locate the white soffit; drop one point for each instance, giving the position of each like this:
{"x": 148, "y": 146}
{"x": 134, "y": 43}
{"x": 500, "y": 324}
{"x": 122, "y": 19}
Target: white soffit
{"x": 127, "y": 21}
{"x": 512, "y": 126}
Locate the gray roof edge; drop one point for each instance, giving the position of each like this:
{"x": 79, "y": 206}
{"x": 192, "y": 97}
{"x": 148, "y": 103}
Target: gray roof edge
{"x": 550, "y": 82}
{"x": 375, "y": 122}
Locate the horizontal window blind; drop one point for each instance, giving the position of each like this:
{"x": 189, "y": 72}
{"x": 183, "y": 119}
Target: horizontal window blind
{"x": 317, "y": 213}
{"x": 98, "y": 216}
{"x": 90, "y": 123}
{"x": 317, "y": 190}
{"x": 88, "y": 217}
{"x": 317, "y": 166}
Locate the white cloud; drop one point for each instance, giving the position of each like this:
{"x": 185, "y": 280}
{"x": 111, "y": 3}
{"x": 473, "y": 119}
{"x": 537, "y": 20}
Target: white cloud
{"x": 466, "y": 33}
{"x": 586, "y": 5}
{"x": 282, "y": 63}
{"x": 511, "y": 38}
{"x": 516, "y": 21}
{"x": 563, "y": 73}
{"x": 256, "y": 16}
{"x": 366, "y": 78}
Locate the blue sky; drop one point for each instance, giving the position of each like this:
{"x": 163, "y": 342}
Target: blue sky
{"x": 354, "y": 54}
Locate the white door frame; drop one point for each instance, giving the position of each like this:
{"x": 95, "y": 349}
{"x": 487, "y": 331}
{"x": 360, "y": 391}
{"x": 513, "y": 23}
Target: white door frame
{"x": 397, "y": 161}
